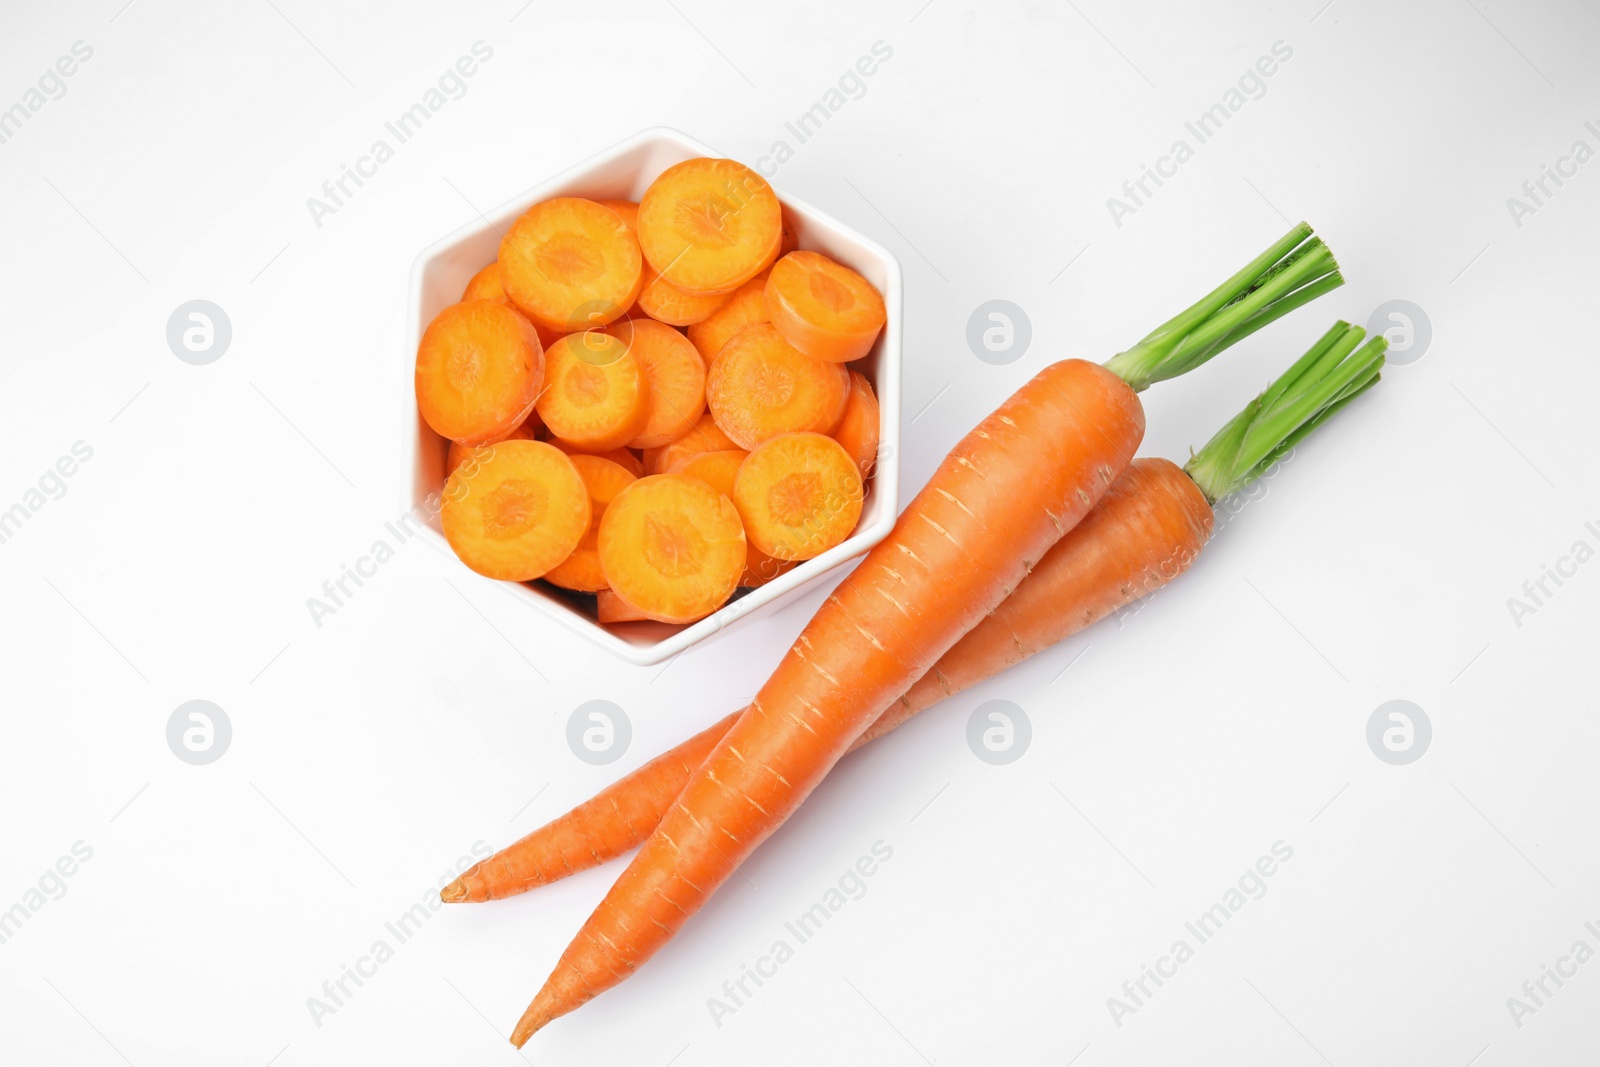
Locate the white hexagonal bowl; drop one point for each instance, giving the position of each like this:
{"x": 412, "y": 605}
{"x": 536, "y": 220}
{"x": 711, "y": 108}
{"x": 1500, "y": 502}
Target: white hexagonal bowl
{"x": 623, "y": 171}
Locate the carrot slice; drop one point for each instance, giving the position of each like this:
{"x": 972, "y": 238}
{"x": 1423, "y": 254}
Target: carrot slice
{"x": 858, "y": 426}
{"x": 799, "y": 495}
{"x": 746, "y": 307}
{"x": 823, "y": 308}
{"x": 485, "y": 285}
{"x": 760, "y": 387}
{"x": 516, "y": 510}
{"x": 704, "y": 436}
{"x": 612, "y": 608}
{"x": 674, "y": 374}
{"x": 672, "y": 546}
{"x": 527, "y": 430}
{"x": 596, "y": 397}
{"x": 570, "y": 264}
{"x": 604, "y": 480}
{"x": 622, "y": 457}
{"x": 479, "y": 369}
{"x": 720, "y": 470}
{"x": 625, "y": 208}
{"x": 789, "y": 239}
{"x": 709, "y": 225}
{"x": 665, "y": 302}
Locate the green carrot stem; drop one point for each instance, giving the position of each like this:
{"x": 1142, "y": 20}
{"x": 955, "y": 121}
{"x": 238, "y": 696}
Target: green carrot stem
{"x": 1334, "y": 371}
{"x": 1297, "y": 269}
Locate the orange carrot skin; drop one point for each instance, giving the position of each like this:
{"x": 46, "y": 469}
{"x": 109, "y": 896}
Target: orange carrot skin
{"x": 1146, "y": 530}
{"x": 1007, "y": 492}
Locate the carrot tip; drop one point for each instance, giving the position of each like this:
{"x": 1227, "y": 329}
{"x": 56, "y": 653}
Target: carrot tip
{"x": 456, "y": 891}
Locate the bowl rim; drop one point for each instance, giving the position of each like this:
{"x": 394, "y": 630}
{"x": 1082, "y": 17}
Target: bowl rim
{"x": 886, "y": 475}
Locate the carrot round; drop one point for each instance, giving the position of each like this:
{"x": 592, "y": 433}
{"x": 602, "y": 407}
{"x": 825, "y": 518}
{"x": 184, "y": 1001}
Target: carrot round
{"x": 789, "y": 239}
{"x": 596, "y": 397}
{"x": 799, "y": 494}
{"x": 627, "y": 209}
{"x": 704, "y": 436}
{"x": 526, "y": 430}
{"x": 479, "y": 369}
{"x": 857, "y": 430}
{"x": 760, "y": 387}
{"x": 485, "y": 285}
{"x": 674, "y": 375}
{"x": 515, "y": 510}
{"x": 672, "y": 547}
{"x": 717, "y": 469}
{"x": 665, "y": 302}
{"x": 609, "y": 607}
{"x": 570, "y": 264}
{"x": 603, "y": 480}
{"x": 823, "y": 308}
{"x": 622, "y": 457}
{"x": 746, "y": 307}
{"x": 1145, "y": 531}
{"x": 987, "y": 515}
{"x": 709, "y": 225}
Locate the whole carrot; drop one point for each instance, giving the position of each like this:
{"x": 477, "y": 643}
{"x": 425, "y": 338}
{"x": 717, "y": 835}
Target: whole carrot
{"x": 1146, "y": 530}
{"x": 990, "y": 511}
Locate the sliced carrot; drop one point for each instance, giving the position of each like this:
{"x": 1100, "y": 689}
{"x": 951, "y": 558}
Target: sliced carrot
{"x": 515, "y": 510}
{"x": 799, "y": 495}
{"x": 789, "y": 239}
{"x": 479, "y": 369}
{"x": 622, "y": 457}
{"x": 665, "y": 302}
{"x": 857, "y": 430}
{"x": 746, "y": 307}
{"x": 704, "y": 436}
{"x": 674, "y": 374}
{"x": 823, "y": 308}
{"x": 717, "y": 469}
{"x": 672, "y": 546}
{"x": 485, "y": 285}
{"x": 596, "y": 397}
{"x": 628, "y": 209}
{"x": 604, "y": 480}
{"x": 760, "y": 387}
{"x": 570, "y": 264}
{"x": 527, "y": 430}
{"x": 709, "y": 225}
{"x": 612, "y": 608}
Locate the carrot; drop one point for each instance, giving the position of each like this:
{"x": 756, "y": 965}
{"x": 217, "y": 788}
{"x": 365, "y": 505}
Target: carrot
{"x": 609, "y": 607}
{"x": 485, "y": 285}
{"x": 799, "y": 494}
{"x": 627, "y": 209}
{"x": 526, "y": 430}
{"x": 709, "y": 225}
{"x": 674, "y": 374}
{"x": 760, "y": 387}
{"x": 479, "y": 369}
{"x": 622, "y": 457}
{"x": 1147, "y": 529}
{"x": 789, "y": 239}
{"x": 665, "y": 302}
{"x": 604, "y": 480}
{"x": 703, "y": 436}
{"x": 988, "y": 513}
{"x": 857, "y": 429}
{"x": 570, "y": 264}
{"x": 672, "y": 547}
{"x": 716, "y": 469}
{"x": 746, "y": 307}
{"x": 515, "y": 510}
{"x": 823, "y": 308}
{"x": 596, "y": 397}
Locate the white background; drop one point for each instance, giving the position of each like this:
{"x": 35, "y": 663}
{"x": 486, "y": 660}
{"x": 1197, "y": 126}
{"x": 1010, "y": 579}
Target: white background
{"x": 369, "y": 754}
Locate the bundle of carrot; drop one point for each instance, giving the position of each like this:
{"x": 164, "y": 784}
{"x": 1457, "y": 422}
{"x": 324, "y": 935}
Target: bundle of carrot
{"x": 985, "y": 519}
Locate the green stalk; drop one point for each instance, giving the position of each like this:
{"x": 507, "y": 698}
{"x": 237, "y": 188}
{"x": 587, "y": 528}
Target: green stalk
{"x": 1336, "y": 370}
{"x": 1297, "y": 269}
